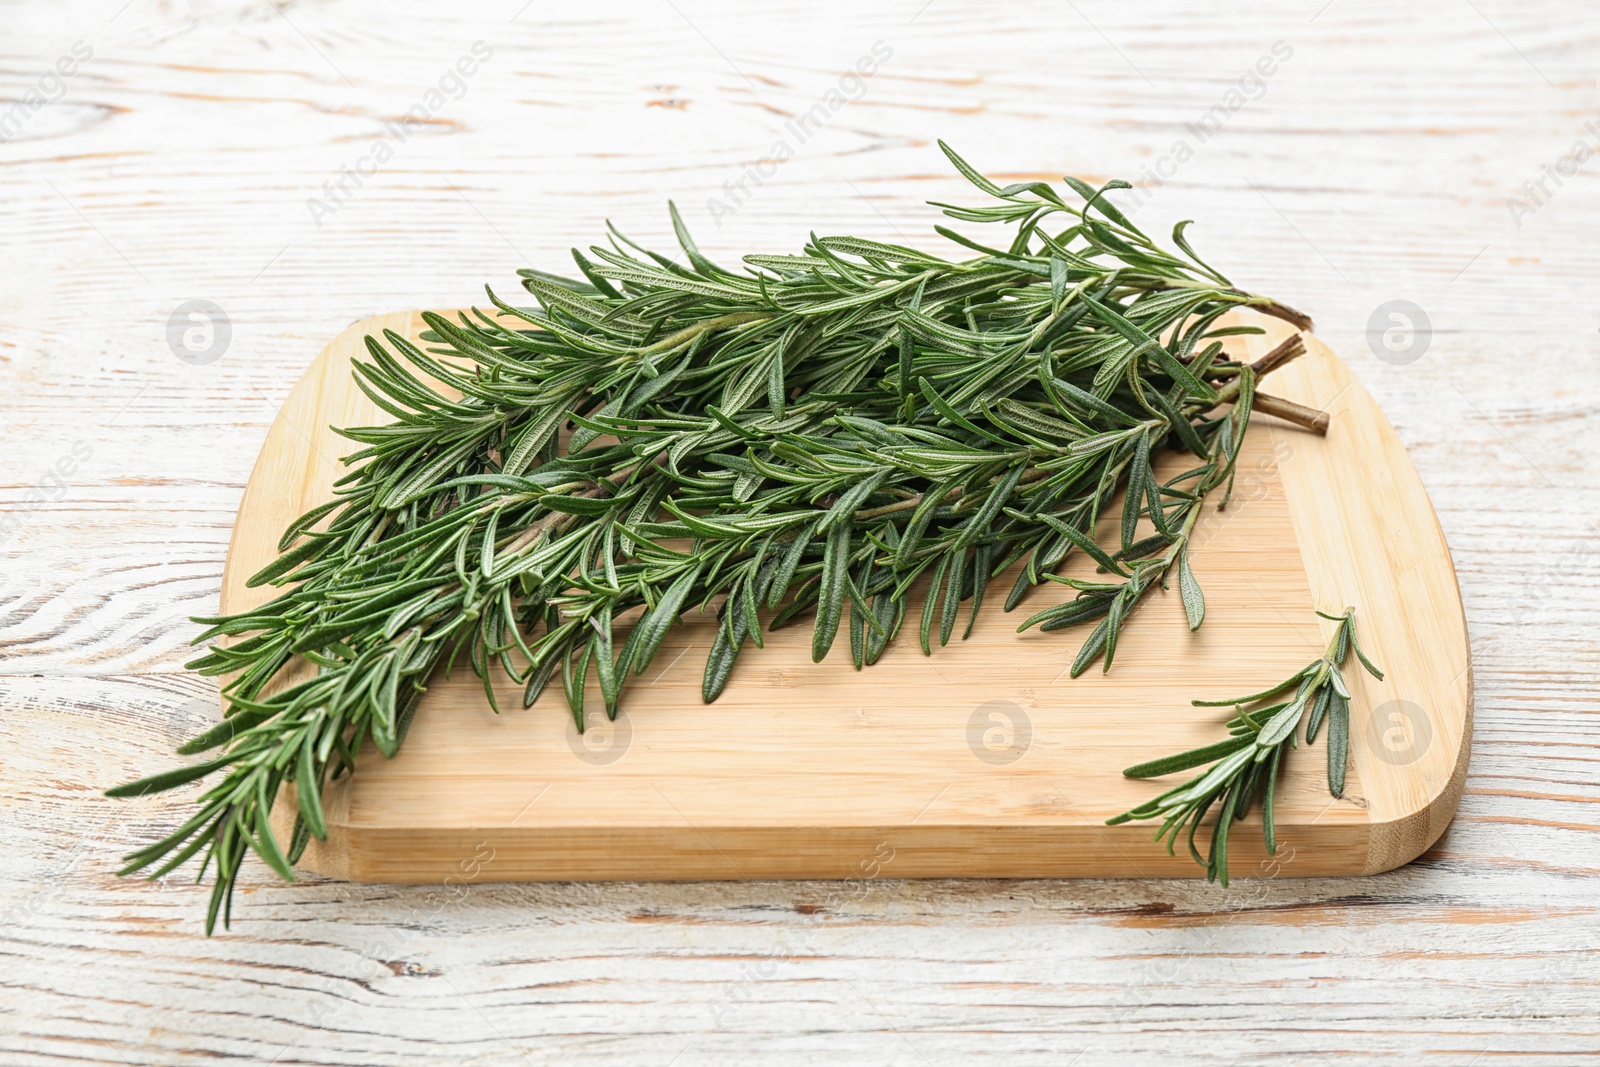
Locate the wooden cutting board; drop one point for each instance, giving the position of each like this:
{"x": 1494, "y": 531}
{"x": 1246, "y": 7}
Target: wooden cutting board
{"x": 985, "y": 760}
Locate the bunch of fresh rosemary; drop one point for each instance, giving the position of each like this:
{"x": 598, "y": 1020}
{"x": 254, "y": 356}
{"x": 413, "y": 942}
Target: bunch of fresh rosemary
{"x": 1245, "y": 766}
{"x": 816, "y": 433}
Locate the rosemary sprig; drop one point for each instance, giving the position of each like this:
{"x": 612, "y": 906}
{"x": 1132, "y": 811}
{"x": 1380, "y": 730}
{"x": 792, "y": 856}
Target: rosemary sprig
{"x": 1245, "y": 766}
{"x": 817, "y": 433}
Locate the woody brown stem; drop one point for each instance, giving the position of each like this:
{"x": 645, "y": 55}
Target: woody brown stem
{"x": 1291, "y": 348}
{"x": 1296, "y": 318}
{"x": 1287, "y": 410}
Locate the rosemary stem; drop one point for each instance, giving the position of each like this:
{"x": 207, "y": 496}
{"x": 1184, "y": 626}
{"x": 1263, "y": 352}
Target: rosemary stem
{"x": 689, "y": 333}
{"x": 1299, "y": 319}
{"x": 1290, "y": 348}
{"x": 1287, "y": 410}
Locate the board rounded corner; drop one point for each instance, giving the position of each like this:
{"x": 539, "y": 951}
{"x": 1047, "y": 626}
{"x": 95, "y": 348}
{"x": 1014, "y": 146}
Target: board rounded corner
{"x": 1393, "y": 843}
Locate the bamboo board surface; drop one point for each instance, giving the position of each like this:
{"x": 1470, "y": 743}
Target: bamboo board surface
{"x": 984, "y": 760}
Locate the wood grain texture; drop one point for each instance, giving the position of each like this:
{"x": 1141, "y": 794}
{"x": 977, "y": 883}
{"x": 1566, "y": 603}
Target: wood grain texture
{"x": 1376, "y": 165}
{"x": 985, "y": 760}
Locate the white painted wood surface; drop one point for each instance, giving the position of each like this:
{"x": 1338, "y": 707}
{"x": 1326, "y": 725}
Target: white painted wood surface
{"x": 175, "y": 163}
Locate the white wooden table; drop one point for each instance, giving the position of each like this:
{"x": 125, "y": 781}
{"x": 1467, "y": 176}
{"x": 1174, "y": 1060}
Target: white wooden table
{"x": 185, "y": 158}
